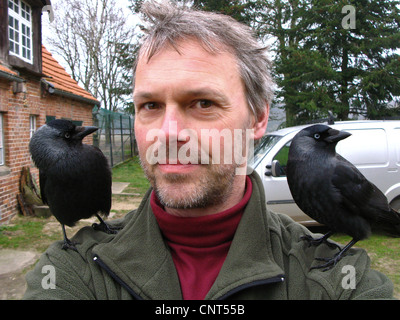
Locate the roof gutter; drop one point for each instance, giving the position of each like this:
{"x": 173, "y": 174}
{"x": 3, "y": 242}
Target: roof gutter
{"x": 49, "y": 87}
{"x": 10, "y": 77}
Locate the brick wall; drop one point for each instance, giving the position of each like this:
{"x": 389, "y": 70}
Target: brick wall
{"x": 16, "y": 110}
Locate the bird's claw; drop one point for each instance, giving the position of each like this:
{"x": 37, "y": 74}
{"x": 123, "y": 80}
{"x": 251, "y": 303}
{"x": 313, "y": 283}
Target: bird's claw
{"x": 316, "y": 242}
{"x": 330, "y": 262}
{"x": 311, "y": 241}
{"x": 68, "y": 244}
{"x": 104, "y": 227}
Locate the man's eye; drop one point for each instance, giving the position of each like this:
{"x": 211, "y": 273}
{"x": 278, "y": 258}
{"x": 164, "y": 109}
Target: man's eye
{"x": 204, "y": 104}
{"x": 150, "y": 106}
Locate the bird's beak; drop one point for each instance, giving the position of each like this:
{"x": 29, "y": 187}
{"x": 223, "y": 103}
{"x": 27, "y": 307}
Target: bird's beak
{"x": 336, "y": 135}
{"x": 84, "y": 131}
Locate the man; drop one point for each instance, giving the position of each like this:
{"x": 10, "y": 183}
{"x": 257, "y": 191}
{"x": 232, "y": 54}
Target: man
{"x": 202, "y": 92}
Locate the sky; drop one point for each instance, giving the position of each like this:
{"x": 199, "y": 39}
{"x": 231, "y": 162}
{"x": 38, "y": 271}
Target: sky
{"x": 46, "y": 30}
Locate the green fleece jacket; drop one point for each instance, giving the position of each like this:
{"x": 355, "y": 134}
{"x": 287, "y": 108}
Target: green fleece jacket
{"x": 266, "y": 260}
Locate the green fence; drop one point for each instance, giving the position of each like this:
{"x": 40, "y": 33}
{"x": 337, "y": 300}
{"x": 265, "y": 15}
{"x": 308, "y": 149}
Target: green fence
{"x": 115, "y": 136}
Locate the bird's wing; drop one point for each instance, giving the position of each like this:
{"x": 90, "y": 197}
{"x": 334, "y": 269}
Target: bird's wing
{"x": 42, "y": 182}
{"x": 359, "y": 195}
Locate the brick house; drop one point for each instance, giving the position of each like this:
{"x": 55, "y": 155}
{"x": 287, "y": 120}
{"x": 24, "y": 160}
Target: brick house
{"x": 34, "y": 89}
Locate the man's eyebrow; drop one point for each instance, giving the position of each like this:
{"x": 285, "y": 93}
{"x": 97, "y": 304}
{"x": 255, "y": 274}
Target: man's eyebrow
{"x": 203, "y": 92}
{"x": 142, "y": 95}
{"x": 206, "y": 93}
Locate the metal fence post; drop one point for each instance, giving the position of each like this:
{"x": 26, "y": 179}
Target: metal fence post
{"x": 130, "y": 135}
{"x": 111, "y": 141}
{"x": 122, "y": 137}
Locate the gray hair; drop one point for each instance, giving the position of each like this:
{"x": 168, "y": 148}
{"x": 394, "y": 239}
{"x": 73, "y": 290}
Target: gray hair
{"x": 169, "y": 23}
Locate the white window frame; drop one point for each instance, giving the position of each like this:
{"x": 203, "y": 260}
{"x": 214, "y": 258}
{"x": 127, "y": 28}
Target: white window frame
{"x": 2, "y": 153}
{"x": 20, "y": 30}
{"x": 32, "y": 125}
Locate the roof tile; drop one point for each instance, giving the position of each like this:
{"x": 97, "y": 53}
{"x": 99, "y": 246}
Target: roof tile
{"x": 5, "y": 69}
{"x": 59, "y": 77}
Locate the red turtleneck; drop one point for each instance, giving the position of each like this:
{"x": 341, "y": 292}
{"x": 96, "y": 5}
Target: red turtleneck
{"x": 199, "y": 245}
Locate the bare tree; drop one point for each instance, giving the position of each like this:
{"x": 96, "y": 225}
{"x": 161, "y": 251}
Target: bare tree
{"x": 89, "y": 35}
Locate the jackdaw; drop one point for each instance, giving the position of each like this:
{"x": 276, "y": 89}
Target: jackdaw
{"x": 75, "y": 178}
{"x": 334, "y": 192}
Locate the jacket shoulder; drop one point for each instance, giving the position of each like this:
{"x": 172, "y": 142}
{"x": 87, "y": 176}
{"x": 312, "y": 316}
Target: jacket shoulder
{"x": 70, "y": 273}
{"x": 351, "y": 278}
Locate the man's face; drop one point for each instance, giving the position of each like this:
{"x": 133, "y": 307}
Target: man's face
{"x": 179, "y": 99}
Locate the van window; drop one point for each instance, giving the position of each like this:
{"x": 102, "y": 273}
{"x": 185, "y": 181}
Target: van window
{"x": 365, "y": 147}
{"x": 262, "y": 148}
{"x": 282, "y": 157}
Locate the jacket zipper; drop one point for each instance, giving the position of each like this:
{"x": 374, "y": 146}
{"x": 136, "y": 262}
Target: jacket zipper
{"x": 115, "y": 277}
{"x": 279, "y": 278}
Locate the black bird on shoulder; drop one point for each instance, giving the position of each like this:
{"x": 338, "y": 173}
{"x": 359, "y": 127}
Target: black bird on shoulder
{"x": 75, "y": 178}
{"x": 331, "y": 190}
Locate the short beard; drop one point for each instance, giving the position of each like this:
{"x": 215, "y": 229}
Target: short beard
{"x": 212, "y": 188}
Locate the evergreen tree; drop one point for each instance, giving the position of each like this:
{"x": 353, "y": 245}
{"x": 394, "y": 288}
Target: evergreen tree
{"x": 237, "y": 9}
{"x": 327, "y": 59}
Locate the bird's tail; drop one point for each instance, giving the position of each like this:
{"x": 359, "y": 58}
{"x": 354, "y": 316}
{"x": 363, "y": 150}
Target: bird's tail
{"x": 392, "y": 226}
{"x": 397, "y": 226}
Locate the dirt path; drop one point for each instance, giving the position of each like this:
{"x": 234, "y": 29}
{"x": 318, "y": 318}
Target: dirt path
{"x": 13, "y": 264}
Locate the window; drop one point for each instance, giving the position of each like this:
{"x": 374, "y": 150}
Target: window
{"x": 78, "y": 123}
{"x": 20, "y": 29}
{"x": 50, "y": 118}
{"x": 32, "y": 125}
{"x": 1, "y": 141}
{"x": 263, "y": 147}
{"x": 282, "y": 156}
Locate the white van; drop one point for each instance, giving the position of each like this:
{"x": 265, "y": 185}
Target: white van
{"x": 373, "y": 147}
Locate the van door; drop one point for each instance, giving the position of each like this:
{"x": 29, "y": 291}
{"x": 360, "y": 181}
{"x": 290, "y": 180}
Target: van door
{"x": 368, "y": 150}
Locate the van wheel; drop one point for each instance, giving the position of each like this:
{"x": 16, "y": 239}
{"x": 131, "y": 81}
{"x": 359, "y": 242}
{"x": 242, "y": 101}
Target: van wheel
{"x": 395, "y": 204}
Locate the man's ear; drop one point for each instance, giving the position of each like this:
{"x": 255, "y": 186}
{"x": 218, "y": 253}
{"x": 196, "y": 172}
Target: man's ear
{"x": 260, "y": 124}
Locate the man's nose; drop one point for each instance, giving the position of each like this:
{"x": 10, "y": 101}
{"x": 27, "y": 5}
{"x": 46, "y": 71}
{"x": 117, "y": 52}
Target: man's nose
{"x": 173, "y": 122}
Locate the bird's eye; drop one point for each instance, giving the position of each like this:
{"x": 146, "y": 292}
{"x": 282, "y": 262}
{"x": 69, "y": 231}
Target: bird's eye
{"x": 67, "y": 135}
{"x": 317, "y": 136}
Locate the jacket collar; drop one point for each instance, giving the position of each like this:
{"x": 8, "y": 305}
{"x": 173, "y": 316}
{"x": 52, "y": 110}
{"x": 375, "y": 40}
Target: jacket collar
{"x": 140, "y": 258}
